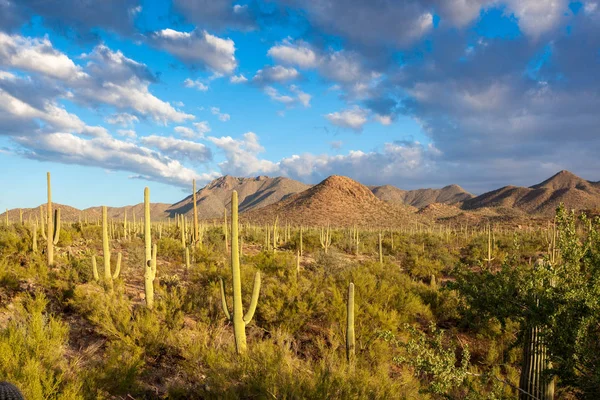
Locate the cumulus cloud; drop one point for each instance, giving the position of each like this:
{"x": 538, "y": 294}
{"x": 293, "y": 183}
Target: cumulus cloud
{"x": 110, "y": 153}
{"x": 297, "y": 53}
{"x": 197, "y": 48}
{"x": 179, "y": 148}
{"x": 196, "y": 84}
{"x": 37, "y": 55}
{"x": 297, "y": 97}
{"x": 73, "y": 16}
{"x": 123, "y": 83}
{"x": 24, "y": 108}
{"x": 241, "y": 155}
{"x": 274, "y": 74}
{"x": 123, "y": 119}
{"x": 238, "y": 79}
{"x": 129, "y": 133}
{"x": 353, "y": 118}
{"x": 223, "y": 117}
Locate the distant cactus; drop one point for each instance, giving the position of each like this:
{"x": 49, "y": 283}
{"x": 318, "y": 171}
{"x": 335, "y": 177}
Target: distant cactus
{"x": 187, "y": 258}
{"x": 150, "y": 258}
{"x": 34, "y": 239}
{"x": 195, "y": 212}
{"x": 489, "y": 258}
{"x": 380, "y": 250}
{"x": 350, "y": 340}
{"x": 325, "y": 238}
{"x": 239, "y": 321}
{"x": 53, "y": 226}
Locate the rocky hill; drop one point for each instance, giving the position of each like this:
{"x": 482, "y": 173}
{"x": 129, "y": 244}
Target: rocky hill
{"x": 253, "y": 193}
{"x": 543, "y": 198}
{"x": 451, "y": 194}
{"x": 337, "y": 200}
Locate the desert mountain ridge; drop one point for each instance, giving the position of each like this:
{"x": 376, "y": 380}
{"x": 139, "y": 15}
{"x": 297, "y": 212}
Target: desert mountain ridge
{"x": 543, "y": 198}
{"x": 262, "y": 197}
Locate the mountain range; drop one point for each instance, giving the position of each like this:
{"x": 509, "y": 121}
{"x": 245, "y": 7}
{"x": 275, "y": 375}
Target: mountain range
{"x": 343, "y": 201}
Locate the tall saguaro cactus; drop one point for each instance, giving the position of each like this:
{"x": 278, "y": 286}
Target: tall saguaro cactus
{"x": 195, "y": 213}
{"x": 53, "y": 226}
{"x": 238, "y": 319}
{"x": 150, "y": 259}
{"x": 535, "y": 382}
{"x": 350, "y": 341}
{"x": 108, "y": 276}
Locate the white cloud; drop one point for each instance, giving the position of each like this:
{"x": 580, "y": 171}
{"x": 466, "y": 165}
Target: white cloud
{"x": 110, "y": 153}
{"x": 123, "y": 83}
{"x": 202, "y": 127}
{"x": 590, "y": 7}
{"x": 276, "y": 96}
{"x": 185, "y": 131}
{"x": 300, "y": 96}
{"x": 353, "y": 118}
{"x": 536, "y": 17}
{"x": 23, "y": 113}
{"x": 197, "y": 84}
{"x": 37, "y": 55}
{"x": 198, "y": 47}
{"x": 383, "y": 119}
{"x": 275, "y": 74}
{"x": 294, "y": 53}
{"x": 123, "y": 119}
{"x": 242, "y": 155}
{"x": 238, "y": 79}
{"x": 129, "y": 133}
{"x": 223, "y": 117}
{"x": 179, "y": 148}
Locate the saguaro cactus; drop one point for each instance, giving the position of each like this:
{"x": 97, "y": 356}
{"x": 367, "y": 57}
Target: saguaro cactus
{"x": 195, "y": 212}
{"x": 108, "y": 277}
{"x": 489, "y": 258}
{"x": 238, "y": 319}
{"x": 150, "y": 259}
{"x": 350, "y": 341}
{"x": 325, "y": 238}
{"x": 53, "y": 226}
{"x": 380, "y": 250}
{"x": 34, "y": 239}
{"x": 534, "y": 382}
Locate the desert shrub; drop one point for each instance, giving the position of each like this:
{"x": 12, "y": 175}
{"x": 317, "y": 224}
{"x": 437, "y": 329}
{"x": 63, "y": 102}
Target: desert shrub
{"x": 32, "y": 353}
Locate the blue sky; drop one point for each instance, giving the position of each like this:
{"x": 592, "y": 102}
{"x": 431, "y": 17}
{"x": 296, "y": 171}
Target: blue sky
{"x": 120, "y": 95}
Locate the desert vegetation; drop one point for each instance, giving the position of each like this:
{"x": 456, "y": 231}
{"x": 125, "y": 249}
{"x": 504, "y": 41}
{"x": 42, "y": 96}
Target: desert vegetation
{"x": 318, "y": 311}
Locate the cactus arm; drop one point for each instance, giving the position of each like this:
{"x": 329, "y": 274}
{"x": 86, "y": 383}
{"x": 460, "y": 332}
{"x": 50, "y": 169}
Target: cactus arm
{"x": 350, "y": 340}
{"x": 118, "y": 267}
{"x": 95, "y": 269}
{"x": 153, "y": 262}
{"x": 224, "y": 300}
{"x": 254, "y": 301}
{"x": 105, "y": 246}
{"x": 56, "y": 225}
{"x": 42, "y": 223}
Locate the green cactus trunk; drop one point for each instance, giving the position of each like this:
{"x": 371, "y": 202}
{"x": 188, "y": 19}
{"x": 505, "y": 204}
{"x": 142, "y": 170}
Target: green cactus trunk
{"x": 34, "y": 239}
{"x": 150, "y": 254}
{"x": 350, "y": 341}
{"x": 534, "y": 382}
{"x": 95, "y": 269}
{"x": 49, "y": 241}
{"x": 106, "y": 249}
{"x": 238, "y": 319}
{"x": 380, "y": 250}
{"x": 195, "y": 213}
